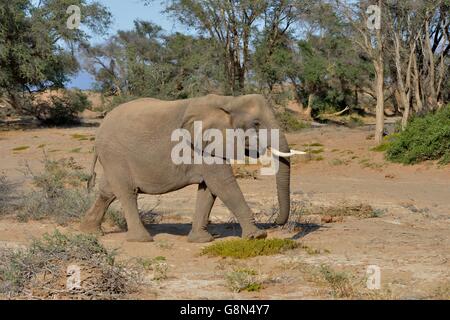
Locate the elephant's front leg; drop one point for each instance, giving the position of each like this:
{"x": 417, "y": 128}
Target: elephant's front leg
{"x": 221, "y": 181}
{"x": 205, "y": 202}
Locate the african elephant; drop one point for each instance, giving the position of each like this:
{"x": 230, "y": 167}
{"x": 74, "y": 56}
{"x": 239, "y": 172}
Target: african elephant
{"x": 133, "y": 145}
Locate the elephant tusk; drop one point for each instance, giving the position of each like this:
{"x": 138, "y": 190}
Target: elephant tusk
{"x": 286, "y": 155}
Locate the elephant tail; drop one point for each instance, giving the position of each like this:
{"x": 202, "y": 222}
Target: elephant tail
{"x": 93, "y": 175}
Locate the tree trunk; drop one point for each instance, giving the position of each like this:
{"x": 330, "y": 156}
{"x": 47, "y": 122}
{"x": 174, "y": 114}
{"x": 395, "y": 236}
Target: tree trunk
{"x": 379, "y": 86}
{"x": 379, "y": 89}
{"x": 308, "y": 110}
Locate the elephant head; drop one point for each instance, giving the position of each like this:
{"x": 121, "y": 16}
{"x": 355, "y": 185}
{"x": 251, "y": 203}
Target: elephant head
{"x": 246, "y": 112}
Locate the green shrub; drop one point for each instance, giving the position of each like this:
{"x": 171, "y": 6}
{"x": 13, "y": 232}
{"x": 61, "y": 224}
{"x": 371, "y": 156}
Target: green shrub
{"x": 425, "y": 138}
{"x": 243, "y": 248}
{"x": 63, "y": 110}
{"x": 289, "y": 123}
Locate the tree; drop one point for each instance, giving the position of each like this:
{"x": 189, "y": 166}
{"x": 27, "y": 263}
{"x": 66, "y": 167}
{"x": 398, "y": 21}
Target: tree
{"x": 36, "y": 47}
{"x": 372, "y": 42}
{"x": 147, "y": 62}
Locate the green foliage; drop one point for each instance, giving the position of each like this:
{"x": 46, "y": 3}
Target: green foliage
{"x": 33, "y": 45}
{"x": 425, "y": 138}
{"x": 63, "y": 110}
{"x": 242, "y": 248}
{"x": 43, "y": 267}
{"x": 289, "y": 123}
{"x": 145, "y": 62}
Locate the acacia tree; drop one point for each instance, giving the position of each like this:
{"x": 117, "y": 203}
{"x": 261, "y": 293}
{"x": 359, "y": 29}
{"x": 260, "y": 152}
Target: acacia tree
{"x": 36, "y": 47}
{"x": 147, "y": 62}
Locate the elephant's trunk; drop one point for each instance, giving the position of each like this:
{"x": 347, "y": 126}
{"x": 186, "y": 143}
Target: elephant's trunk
{"x": 284, "y": 183}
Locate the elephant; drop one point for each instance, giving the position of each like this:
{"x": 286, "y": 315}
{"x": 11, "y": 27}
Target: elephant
{"x": 133, "y": 144}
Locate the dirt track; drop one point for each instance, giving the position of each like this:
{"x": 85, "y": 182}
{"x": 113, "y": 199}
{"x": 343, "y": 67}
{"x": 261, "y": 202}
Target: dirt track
{"x": 409, "y": 241}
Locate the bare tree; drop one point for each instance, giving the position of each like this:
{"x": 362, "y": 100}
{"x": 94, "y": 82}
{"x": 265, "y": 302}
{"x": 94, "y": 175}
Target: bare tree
{"x": 372, "y": 42}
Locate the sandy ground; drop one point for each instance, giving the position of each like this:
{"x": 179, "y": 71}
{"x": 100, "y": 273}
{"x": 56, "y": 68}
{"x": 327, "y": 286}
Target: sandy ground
{"x": 409, "y": 241}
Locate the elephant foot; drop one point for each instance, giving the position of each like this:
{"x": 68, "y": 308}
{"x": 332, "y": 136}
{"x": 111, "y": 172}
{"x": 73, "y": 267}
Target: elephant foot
{"x": 139, "y": 236}
{"x": 91, "y": 228}
{"x": 201, "y": 236}
{"x": 254, "y": 234}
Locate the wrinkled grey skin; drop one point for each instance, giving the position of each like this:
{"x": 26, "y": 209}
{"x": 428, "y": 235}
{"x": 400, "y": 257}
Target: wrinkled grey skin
{"x": 134, "y": 147}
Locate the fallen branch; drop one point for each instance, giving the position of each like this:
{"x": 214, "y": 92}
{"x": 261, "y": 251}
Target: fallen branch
{"x": 337, "y": 113}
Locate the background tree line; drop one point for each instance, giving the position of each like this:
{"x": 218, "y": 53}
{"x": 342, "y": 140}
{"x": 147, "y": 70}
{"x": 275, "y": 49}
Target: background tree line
{"x": 320, "y": 53}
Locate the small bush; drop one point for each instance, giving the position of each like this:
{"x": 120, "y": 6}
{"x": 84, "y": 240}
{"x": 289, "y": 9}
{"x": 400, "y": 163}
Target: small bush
{"x": 59, "y": 193}
{"x": 339, "y": 282}
{"x": 6, "y": 195}
{"x": 240, "y": 280}
{"x": 63, "y": 110}
{"x": 242, "y": 248}
{"x": 425, "y": 138}
{"x": 158, "y": 265}
{"x": 117, "y": 219}
{"x": 289, "y": 123}
{"x": 42, "y": 269}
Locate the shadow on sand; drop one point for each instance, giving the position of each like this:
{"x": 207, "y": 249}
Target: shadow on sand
{"x": 224, "y": 230}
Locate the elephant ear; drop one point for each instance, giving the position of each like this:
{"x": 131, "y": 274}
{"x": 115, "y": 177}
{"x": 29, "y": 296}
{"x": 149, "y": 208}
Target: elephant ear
{"x": 211, "y": 117}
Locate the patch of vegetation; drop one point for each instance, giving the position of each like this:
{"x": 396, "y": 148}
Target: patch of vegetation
{"x": 314, "y": 144}
{"x": 42, "y": 269}
{"x": 425, "y": 138}
{"x": 243, "y": 279}
{"x": 164, "y": 244}
{"x": 80, "y": 137}
{"x": 289, "y": 123}
{"x": 62, "y": 110}
{"x": 381, "y": 147}
{"x": 59, "y": 193}
{"x": 315, "y": 151}
{"x": 355, "y": 210}
{"x": 21, "y": 148}
{"x": 243, "y": 248}
{"x": 76, "y": 150}
{"x": 157, "y": 265}
{"x": 41, "y": 146}
{"x": 6, "y": 195}
{"x": 367, "y": 163}
{"x": 311, "y": 251}
{"x": 337, "y": 162}
{"x": 319, "y": 158}
{"x": 339, "y": 282}
{"x": 116, "y": 217}
{"x": 242, "y": 172}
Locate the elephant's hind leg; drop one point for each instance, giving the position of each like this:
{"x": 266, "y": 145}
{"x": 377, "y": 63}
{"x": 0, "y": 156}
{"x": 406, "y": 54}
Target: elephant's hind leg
{"x": 205, "y": 202}
{"x": 92, "y": 220}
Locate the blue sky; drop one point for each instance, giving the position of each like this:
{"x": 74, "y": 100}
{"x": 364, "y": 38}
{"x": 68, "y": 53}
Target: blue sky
{"x": 124, "y": 13}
